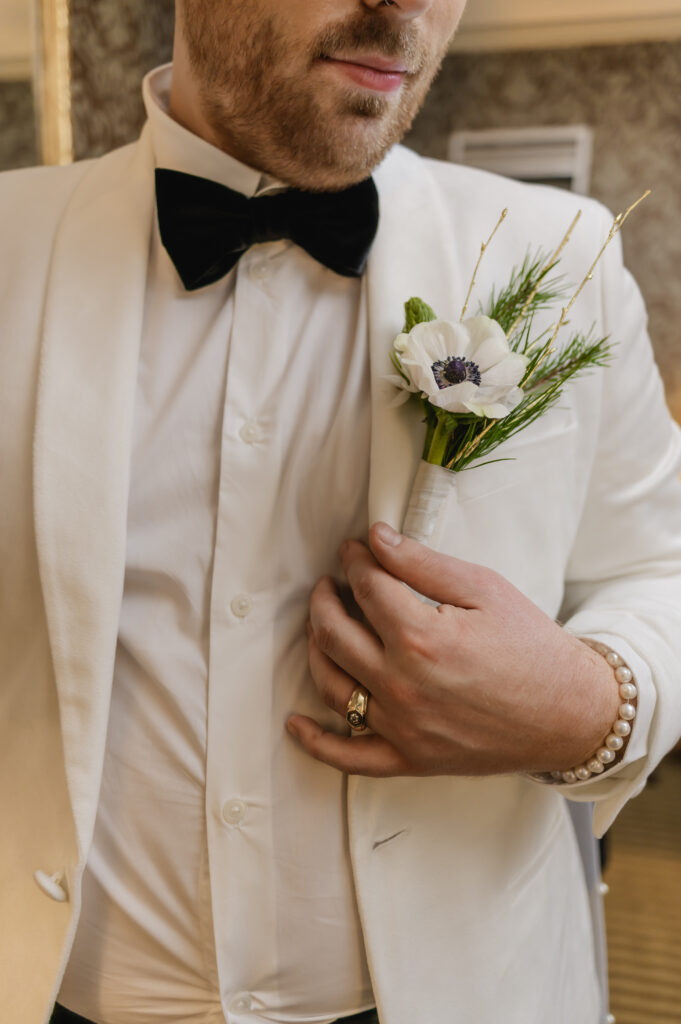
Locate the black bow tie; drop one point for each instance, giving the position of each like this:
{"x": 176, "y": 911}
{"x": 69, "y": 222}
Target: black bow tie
{"x": 207, "y": 227}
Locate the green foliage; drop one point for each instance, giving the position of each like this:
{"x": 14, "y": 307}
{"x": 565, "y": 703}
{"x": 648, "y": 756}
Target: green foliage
{"x": 416, "y": 311}
{"x": 582, "y": 352}
{"x": 529, "y": 289}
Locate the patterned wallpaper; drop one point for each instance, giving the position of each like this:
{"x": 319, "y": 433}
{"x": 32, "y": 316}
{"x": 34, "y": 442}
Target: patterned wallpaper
{"x": 18, "y": 144}
{"x": 113, "y": 44}
{"x": 630, "y": 96}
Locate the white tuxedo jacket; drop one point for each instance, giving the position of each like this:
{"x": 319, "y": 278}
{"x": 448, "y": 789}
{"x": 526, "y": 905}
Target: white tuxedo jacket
{"x": 475, "y": 910}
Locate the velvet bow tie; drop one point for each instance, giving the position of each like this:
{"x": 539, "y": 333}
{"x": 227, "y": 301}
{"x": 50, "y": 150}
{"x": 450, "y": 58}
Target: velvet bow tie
{"x": 207, "y": 227}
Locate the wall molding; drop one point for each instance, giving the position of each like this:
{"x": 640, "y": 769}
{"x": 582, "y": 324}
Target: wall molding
{"x": 53, "y": 80}
{"x": 596, "y": 31}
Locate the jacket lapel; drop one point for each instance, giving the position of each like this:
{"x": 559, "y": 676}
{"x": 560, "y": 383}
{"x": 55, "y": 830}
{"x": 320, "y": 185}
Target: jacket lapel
{"x": 413, "y": 255}
{"x": 93, "y": 320}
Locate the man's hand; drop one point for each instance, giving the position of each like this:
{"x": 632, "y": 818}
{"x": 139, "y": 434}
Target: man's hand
{"x": 484, "y": 683}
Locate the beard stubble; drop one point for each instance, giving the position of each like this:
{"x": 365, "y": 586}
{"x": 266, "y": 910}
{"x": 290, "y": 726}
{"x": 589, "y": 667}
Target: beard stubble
{"x": 258, "y": 103}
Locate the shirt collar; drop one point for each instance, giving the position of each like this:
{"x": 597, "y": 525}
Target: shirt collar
{"x": 178, "y": 149}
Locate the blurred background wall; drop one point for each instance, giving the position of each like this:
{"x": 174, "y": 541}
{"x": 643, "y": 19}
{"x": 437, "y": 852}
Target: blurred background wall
{"x": 18, "y": 140}
{"x": 113, "y": 44}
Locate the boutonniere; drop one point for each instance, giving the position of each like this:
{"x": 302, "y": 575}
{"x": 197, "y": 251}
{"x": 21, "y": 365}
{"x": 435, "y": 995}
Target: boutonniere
{"x": 485, "y": 378}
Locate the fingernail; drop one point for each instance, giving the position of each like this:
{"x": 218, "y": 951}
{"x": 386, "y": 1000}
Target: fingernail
{"x": 291, "y": 726}
{"x": 387, "y": 535}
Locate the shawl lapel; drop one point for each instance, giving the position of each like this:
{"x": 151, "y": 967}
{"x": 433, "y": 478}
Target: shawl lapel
{"x": 91, "y": 335}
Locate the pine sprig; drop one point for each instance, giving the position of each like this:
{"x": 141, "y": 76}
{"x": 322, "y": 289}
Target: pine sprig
{"x": 529, "y": 290}
{"x": 582, "y": 352}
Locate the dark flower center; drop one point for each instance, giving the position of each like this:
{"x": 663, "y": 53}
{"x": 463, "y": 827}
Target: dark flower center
{"x": 455, "y": 370}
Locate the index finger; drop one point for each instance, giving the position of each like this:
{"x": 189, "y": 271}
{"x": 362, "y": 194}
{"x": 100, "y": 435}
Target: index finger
{"x": 387, "y": 602}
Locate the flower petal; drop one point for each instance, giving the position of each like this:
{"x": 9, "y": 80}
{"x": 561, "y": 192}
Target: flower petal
{"x": 506, "y": 373}
{"x": 427, "y": 344}
{"x": 421, "y": 376}
{"x": 500, "y": 401}
{"x": 437, "y": 339}
{"x": 492, "y": 412}
{"x": 488, "y": 344}
{"x": 400, "y": 398}
{"x": 455, "y": 398}
{"x": 398, "y": 382}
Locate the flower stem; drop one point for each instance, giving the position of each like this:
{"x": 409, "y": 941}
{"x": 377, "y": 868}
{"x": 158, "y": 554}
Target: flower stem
{"x": 438, "y": 445}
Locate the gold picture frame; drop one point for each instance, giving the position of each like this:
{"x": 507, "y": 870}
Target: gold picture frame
{"x": 53, "y": 81}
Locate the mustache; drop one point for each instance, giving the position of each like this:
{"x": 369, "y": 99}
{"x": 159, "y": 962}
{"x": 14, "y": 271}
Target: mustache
{"x": 368, "y": 32}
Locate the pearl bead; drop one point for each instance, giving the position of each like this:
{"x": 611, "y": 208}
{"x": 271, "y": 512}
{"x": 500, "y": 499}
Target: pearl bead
{"x": 623, "y": 674}
{"x": 603, "y": 888}
{"x": 610, "y": 1019}
{"x": 613, "y": 659}
{"x": 628, "y": 691}
{"x": 614, "y": 742}
{"x": 605, "y": 756}
{"x": 570, "y": 776}
{"x": 595, "y": 766}
{"x": 583, "y": 773}
{"x": 557, "y": 775}
{"x": 627, "y": 712}
{"x": 621, "y": 728}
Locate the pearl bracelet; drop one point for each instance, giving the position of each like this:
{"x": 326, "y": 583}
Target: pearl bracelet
{"x": 618, "y": 737}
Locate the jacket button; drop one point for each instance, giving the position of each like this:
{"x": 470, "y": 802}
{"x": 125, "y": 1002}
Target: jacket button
{"x": 51, "y": 885}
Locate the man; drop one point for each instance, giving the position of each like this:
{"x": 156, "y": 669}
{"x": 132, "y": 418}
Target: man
{"x": 187, "y": 446}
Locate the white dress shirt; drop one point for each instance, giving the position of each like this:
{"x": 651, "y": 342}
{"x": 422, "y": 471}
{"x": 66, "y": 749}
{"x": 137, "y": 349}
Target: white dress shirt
{"x": 219, "y": 886}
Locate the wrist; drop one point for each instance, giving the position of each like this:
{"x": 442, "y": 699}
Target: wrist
{"x": 610, "y": 707}
{"x": 600, "y": 700}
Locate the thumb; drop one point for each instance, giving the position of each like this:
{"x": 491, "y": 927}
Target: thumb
{"x": 442, "y": 578}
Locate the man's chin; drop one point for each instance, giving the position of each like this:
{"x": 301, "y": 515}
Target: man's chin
{"x": 351, "y": 152}
{"x": 351, "y": 163}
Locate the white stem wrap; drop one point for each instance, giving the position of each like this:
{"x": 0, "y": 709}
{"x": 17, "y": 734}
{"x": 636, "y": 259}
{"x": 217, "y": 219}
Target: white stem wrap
{"x": 429, "y": 494}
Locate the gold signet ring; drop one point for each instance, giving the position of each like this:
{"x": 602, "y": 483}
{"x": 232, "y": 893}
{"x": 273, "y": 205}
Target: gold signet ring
{"x": 356, "y": 714}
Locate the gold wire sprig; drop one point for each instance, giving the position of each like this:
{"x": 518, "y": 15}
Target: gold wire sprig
{"x": 544, "y": 269}
{"x": 483, "y": 249}
{"x": 617, "y": 225}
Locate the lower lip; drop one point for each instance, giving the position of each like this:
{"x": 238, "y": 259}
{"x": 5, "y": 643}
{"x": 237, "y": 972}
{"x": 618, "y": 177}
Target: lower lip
{"x": 369, "y": 78}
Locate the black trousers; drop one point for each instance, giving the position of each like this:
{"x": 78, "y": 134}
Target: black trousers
{"x": 63, "y": 1016}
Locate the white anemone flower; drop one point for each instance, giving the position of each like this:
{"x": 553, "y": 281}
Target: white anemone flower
{"x": 462, "y": 367}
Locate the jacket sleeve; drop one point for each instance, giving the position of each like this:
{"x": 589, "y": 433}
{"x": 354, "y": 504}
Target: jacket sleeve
{"x": 623, "y": 580}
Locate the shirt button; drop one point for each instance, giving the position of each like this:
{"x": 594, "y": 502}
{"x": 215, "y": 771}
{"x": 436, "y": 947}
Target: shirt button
{"x": 242, "y": 606}
{"x": 234, "y": 811}
{"x": 250, "y": 432}
{"x": 241, "y": 1003}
